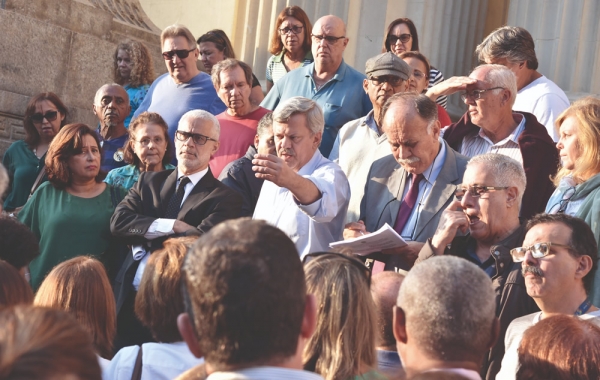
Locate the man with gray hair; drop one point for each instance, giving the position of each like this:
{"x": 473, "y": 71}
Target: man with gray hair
{"x": 183, "y": 88}
{"x": 111, "y": 106}
{"x": 490, "y": 125}
{"x": 180, "y": 202}
{"x": 513, "y": 47}
{"x": 487, "y": 210}
{"x": 445, "y": 318}
{"x": 304, "y": 194}
{"x": 410, "y": 188}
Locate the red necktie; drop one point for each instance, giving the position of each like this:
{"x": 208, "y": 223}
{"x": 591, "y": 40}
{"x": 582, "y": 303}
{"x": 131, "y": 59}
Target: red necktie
{"x": 408, "y": 203}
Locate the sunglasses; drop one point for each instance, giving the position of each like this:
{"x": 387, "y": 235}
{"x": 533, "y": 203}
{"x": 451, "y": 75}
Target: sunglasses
{"x": 168, "y": 55}
{"x": 394, "y": 81}
{"x": 475, "y": 191}
{"x": 357, "y": 263}
{"x": 38, "y": 118}
{"x": 330, "y": 39}
{"x": 197, "y": 137}
{"x": 537, "y": 250}
{"x": 404, "y": 38}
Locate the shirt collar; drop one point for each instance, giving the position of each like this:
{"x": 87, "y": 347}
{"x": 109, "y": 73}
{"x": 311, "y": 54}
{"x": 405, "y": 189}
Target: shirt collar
{"x": 339, "y": 74}
{"x": 436, "y": 165}
{"x": 514, "y": 136}
{"x": 311, "y": 165}
{"x": 194, "y": 178}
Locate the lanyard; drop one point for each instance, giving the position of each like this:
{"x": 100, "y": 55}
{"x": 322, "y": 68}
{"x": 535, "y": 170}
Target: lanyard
{"x": 584, "y": 307}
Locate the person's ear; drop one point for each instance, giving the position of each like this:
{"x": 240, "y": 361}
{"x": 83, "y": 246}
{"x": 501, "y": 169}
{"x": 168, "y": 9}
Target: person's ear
{"x": 511, "y": 195}
{"x": 94, "y": 109}
{"x": 366, "y": 85}
{"x": 186, "y": 329}
{"x": 215, "y": 148}
{"x": 399, "y": 325}
{"x": 584, "y": 266}
{"x": 317, "y": 139}
{"x": 256, "y": 141}
{"x": 309, "y": 320}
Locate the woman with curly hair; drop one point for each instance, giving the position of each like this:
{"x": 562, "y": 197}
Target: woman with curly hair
{"x": 133, "y": 69}
{"x": 70, "y": 214}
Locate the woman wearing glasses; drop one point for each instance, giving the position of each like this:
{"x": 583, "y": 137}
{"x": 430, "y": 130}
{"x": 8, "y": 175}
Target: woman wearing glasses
{"x": 578, "y": 179}
{"x": 45, "y": 115}
{"x": 290, "y": 44}
{"x": 419, "y": 80}
{"x": 402, "y": 36}
{"x": 133, "y": 69}
{"x": 147, "y": 150}
{"x": 215, "y": 47}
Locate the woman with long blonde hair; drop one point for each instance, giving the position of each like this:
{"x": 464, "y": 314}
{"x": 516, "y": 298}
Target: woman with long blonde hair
{"x": 578, "y": 179}
{"x": 343, "y": 345}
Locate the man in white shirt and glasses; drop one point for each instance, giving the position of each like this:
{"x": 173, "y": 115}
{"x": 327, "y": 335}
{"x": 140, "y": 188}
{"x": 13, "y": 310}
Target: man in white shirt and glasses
{"x": 181, "y": 202}
{"x": 559, "y": 261}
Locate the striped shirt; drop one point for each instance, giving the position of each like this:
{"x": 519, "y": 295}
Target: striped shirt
{"x": 479, "y": 143}
{"x": 435, "y": 77}
{"x": 276, "y": 69}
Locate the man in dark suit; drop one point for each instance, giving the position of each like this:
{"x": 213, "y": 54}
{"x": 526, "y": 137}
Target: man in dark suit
{"x": 185, "y": 201}
{"x": 410, "y": 189}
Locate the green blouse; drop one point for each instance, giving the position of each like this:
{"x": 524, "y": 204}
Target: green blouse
{"x": 66, "y": 226}
{"x": 23, "y": 167}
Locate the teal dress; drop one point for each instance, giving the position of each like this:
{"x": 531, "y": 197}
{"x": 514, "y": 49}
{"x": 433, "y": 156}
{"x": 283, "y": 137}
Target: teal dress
{"x": 126, "y": 176}
{"x": 23, "y": 168}
{"x": 67, "y": 226}
{"x": 136, "y": 96}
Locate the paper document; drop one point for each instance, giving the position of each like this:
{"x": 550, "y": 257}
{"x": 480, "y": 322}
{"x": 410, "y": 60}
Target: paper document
{"x": 384, "y": 238}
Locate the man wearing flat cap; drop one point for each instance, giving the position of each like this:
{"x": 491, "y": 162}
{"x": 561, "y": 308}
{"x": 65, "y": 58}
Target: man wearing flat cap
{"x": 360, "y": 142}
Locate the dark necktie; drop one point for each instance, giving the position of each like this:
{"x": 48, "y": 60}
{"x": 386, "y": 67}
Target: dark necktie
{"x": 408, "y": 203}
{"x": 176, "y": 198}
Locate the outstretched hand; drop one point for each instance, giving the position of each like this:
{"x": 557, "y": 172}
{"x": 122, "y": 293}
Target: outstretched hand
{"x": 272, "y": 168}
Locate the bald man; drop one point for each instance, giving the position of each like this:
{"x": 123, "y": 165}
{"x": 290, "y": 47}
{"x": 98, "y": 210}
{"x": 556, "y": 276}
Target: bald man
{"x": 336, "y": 87}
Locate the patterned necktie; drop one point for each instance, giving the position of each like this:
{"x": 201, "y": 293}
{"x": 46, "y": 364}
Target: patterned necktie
{"x": 408, "y": 203}
{"x": 176, "y": 198}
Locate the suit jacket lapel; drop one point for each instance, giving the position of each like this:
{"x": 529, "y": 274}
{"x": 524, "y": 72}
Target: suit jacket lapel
{"x": 166, "y": 192}
{"x": 200, "y": 191}
{"x": 442, "y": 190}
{"x": 396, "y": 185}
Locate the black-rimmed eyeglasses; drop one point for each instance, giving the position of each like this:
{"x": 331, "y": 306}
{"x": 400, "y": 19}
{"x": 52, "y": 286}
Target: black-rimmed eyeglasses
{"x": 476, "y": 94}
{"x": 475, "y": 191}
{"x": 197, "y": 137}
{"x": 38, "y": 118}
{"x": 329, "y": 39}
{"x": 296, "y": 29}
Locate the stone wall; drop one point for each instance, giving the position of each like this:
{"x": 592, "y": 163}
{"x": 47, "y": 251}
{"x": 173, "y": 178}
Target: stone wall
{"x": 63, "y": 46}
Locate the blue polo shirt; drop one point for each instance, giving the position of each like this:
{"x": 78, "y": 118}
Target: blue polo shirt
{"x": 342, "y": 98}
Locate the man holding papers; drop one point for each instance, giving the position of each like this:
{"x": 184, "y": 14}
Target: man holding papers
{"x": 409, "y": 189}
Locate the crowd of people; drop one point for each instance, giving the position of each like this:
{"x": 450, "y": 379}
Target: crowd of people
{"x": 126, "y": 251}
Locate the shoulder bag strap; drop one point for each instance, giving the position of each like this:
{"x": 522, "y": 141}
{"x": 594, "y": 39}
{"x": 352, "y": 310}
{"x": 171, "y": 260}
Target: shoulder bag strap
{"x": 38, "y": 180}
{"x": 137, "y": 369}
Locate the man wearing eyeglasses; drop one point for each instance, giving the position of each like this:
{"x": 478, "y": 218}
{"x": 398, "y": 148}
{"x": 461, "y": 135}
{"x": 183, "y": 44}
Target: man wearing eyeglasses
{"x": 181, "y": 202}
{"x": 360, "y": 142}
{"x": 490, "y": 126}
{"x": 336, "y": 87}
{"x": 559, "y": 261}
{"x": 184, "y": 87}
{"x": 482, "y": 226}
{"x": 111, "y": 106}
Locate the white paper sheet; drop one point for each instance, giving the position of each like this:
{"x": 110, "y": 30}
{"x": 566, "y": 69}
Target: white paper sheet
{"x": 384, "y": 238}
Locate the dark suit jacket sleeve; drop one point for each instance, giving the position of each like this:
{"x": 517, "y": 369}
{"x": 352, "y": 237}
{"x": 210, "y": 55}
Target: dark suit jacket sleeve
{"x": 128, "y": 220}
{"x": 227, "y": 204}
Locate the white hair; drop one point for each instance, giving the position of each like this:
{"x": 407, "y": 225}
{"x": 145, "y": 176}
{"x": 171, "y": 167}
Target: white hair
{"x": 505, "y": 170}
{"x": 450, "y": 308}
{"x": 314, "y": 115}
{"x": 98, "y": 96}
{"x": 500, "y": 76}
{"x": 191, "y": 116}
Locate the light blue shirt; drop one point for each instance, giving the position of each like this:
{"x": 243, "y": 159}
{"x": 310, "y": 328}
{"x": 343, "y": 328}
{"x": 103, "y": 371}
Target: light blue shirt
{"x": 311, "y": 227}
{"x": 126, "y": 176}
{"x": 342, "y": 98}
{"x": 172, "y": 100}
{"x": 430, "y": 174}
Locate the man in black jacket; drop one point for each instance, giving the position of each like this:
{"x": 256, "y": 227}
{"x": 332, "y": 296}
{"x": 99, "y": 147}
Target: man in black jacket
{"x": 488, "y": 209}
{"x": 185, "y": 201}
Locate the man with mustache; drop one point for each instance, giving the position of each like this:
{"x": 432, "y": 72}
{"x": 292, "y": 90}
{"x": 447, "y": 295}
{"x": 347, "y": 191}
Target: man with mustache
{"x": 304, "y": 194}
{"x": 111, "y": 106}
{"x": 559, "y": 262}
{"x": 410, "y": 188}
{"x": 491, "y": 126}
{"x": 185, "y": 201}
{"x": 487, "y": 210}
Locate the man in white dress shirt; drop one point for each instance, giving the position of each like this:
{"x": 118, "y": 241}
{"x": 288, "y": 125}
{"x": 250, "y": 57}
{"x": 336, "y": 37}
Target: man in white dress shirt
{"x": 304, "y": 194}
{"x": 445, "y": 318}
{"x": 513, "y": 47}
{"x": 247, "y": 311}
{"x": 559, "y": 262}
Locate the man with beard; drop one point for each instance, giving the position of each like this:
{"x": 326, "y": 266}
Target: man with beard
{"x": 410, "y": 188}
{"x": 487, "y": 209}
{"x": 559, "y": 262}
{"x": 111, "y": 106}
{"x": 360, "y": 142}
